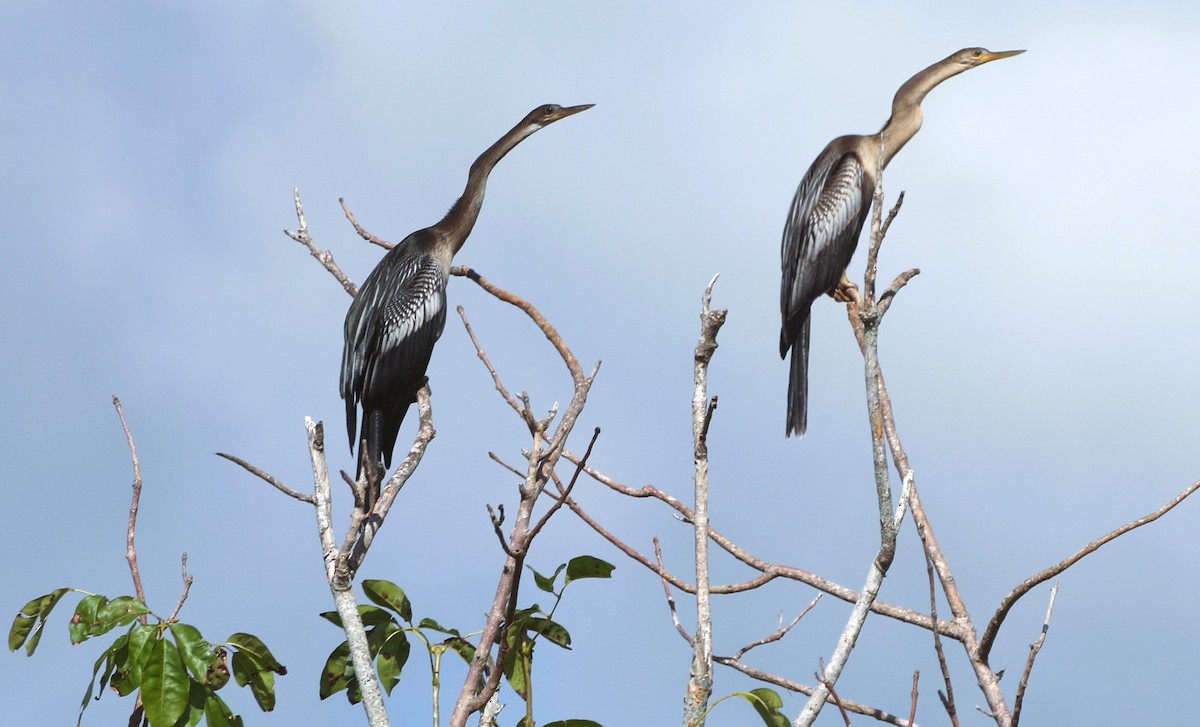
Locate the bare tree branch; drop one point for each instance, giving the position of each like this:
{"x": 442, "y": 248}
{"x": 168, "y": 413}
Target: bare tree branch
{"x": 361, "y": 232}
{"x": 912, "y": 714}
{"x": 324, "y": 257}
{"x": 779, "y": 633}
{"x": 794, "y": 686}
{"x": 268, "y": 478}
{"x": 187, "y": 586}
{"x": 699, "y": 686}
{"x": 1034, "y": 648}
{"x": 670, "y": 599}
{"x": 135, "y": 502}
{"x": 993, "y": 627}
{"x": 946, "y": 698}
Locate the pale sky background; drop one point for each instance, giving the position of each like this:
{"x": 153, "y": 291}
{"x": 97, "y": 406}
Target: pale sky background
{"x": 1042, "y": 366}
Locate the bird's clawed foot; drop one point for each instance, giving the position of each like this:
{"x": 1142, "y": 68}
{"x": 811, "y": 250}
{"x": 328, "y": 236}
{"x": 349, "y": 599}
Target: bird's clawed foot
{"x": 845, "y": 292}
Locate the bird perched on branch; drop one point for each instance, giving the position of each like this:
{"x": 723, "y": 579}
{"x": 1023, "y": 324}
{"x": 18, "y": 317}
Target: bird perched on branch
{"x": 400, "y": 310}
{"x": 828, "y": 212}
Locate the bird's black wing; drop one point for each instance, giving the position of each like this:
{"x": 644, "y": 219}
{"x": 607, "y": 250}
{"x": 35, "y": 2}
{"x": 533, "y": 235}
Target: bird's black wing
{"x": 390, "y": 332}
{"x": 822, "y": 230}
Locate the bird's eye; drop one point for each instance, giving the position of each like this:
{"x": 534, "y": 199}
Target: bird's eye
{"x": 550, "y": 108}
{"x": 977, "y": 52}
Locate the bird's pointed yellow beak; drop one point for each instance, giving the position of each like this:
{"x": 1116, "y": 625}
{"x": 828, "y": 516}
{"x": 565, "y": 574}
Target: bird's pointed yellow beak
{"x": 570, "y": 110}
{"x": 997, "y": 55}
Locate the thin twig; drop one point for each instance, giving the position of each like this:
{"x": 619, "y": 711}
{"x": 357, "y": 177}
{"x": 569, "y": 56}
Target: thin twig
{"x": 548, "y": 330}
{"x": 779, "y": 633}
{"x": 359, "y": 229}
{"x": 769, "y": 678}
{"x": 670, "y": 598}
{"x": 516, "y": 405}
{"x": 325, "y": 257}
{"x": 269, "y": 479}
{"x": 558, "y": 502}
{"x": 187, "y": 586}
{"x": 505, "y": 465}
{"x": 912, "y": 714}
{"x": 833, "y": 695}
{"x": 769, "y": 571}
{"x": 1034, "y": 648}
{"x": 947, "y": 698}
{"x": 993, "y": 627}
{"x": 135, "y": 502}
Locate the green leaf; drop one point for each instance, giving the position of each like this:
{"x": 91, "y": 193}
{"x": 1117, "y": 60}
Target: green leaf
{"x": 428, "y": 623}
{"x": 460, "y": 646}
{"x": 128, "y": 677}
{"x": 768, "y": 704}
{"x": 257, "y": 651}
{"x": 519, "y": 648}
{"x": 84, "y": 618}
{"x": 121, "y": 611}
{"x": 377, "y": 635}
{"x": 165, "y": 685}
{"x": 585, "y": 566}
{"x": 262, "y": 685}
{"x": 117, "y": 654}
{"x": 21, "y": 628}
{"x": 42, "y": 605}
{"x": 197, "y": 696}
{"x": 389, "y": 595}
{"x": 370, "y": 615}
{"x": 574, "y": 723}
{"x": 37, "y": 611}
{"x": 106, "y": 660}
{"x": 243, "y": 667}
{"x": 544, "y": 583}
{"x": 391, "y": 660}
{"x": 218, "y": 714}
{"x": 198, "y": 654}
{"x": 217, "y": 675}
{"x": 338, "y": 672}
{"x": 551, "y": 630}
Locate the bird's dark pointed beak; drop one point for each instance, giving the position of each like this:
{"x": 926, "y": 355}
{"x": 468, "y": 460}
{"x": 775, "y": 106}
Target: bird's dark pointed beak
{"x": 570, "y": 110}
{"x": 997, "y": 55}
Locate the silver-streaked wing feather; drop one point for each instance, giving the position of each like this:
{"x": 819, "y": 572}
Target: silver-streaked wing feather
{"x": 824, "y": 222}
{"x": 390, "y": 331}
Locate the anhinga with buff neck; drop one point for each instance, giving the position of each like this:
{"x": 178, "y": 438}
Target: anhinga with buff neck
{"x": 828, "y": 212}
{"x": 400, "y": 310}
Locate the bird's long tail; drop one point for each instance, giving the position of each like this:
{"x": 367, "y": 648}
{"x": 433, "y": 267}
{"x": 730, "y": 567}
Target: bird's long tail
{"x": 379, "y": 430}
{"x": 371, "y": 433}
{"x": 797, "y": 408}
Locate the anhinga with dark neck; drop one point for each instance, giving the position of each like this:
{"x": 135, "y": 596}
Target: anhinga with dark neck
{"x": 828, "y": 212}
{"x": 400, "y": 310}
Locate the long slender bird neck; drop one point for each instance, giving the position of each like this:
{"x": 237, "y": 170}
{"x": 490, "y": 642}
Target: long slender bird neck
{"x": 456, "y": 226}
{"x": 906, "y": 106}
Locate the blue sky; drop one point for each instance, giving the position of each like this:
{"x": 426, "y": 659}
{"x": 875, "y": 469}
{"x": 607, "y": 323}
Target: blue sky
{"x": 1042, "y": 366}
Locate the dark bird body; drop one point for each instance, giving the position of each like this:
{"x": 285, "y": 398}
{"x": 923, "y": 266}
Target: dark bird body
{"x": 829, "y": 210}
{"x": 400, "y": 310}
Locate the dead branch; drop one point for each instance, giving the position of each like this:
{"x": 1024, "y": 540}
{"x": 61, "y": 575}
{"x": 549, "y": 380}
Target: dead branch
{"x": 359, "y": 229}
{"x": 699, "y": 686}
{"x": 1034, "y": 648}
{"x": 325, "y": 257}
{"x": 187, "y": 586}
{"x": 947, "y": 698}
{"x": 268, "y": 478}
{"x": 135, "y": 501}
{"x": 993, "y": 627}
